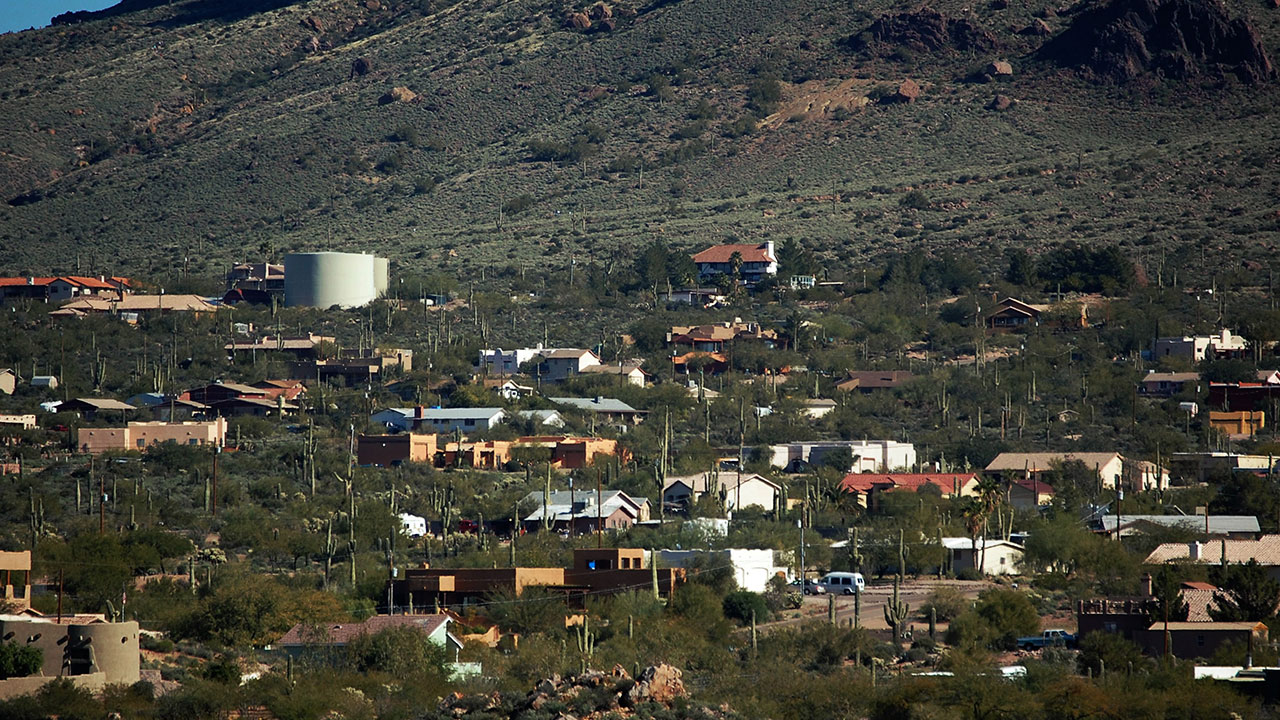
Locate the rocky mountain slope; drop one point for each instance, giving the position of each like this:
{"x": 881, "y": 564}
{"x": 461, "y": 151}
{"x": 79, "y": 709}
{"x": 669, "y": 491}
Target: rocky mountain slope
{"x": 167, "y": 138}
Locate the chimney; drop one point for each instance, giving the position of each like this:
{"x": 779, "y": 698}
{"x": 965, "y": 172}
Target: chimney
{"x": 1146, "y": 585}
{"x": 768, "y": 250}
{"x": 418, "y": 412}
{"x": 1195, "y": 550}
{"x": 31, "y": 281}
{"x": 599, "y": 399}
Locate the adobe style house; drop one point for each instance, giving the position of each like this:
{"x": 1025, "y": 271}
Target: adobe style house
{"x": 141, "y": 435}
{"x": 734, "y": 489}
{"x": 392, "y": 450}
{"x": 868, "y": 486}
{"x": 355, "y": 368}
{"x": 302, "y": 347}
{"x": 1239, "y": 424}
{"x": 83, "y": 649}
{"x": 752, "y": 262}
{"x": 1196, "y": 348}
{"x": 595, "y": 572}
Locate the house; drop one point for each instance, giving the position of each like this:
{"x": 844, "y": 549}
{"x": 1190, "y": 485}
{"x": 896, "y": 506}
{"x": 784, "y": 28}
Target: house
{"x": 867, "y": 486}
{"x": 8, "y": 381}
{"x": 84, "y": 650}
{"x": 733, "y": 489}
{"x": 1265, "y": 550}
{"x": 45, "y": 381}
{"x": 354, "y": 368}
{"x": 1012, "y": 314}
{"x": 507, "y": 388}
{"x": 131, "y": 307}
{"x": 1236, "y": 527}
{"x": 817, "y": 408}
{"x": 219, "y": 391}
{"x": 752, "y": 569}
{"x": 715, "y": 337}
{"x": 287, "y": 389}
{"x": 261, "y": 276}
{"x": 563, "y": 363}
{"x": 301, "y": 347}
{"x": 141, "y": 435}
{"x": 708, "y": 363}
{"x": 987, "y": 556}
{"x": 22, "y": 422}
{"x": 1201, "y": 466}
{"x": 1196, "y": 348}
{"x": 1167, "y": 384}
{"x": 253, "y": 406}
{"x": 548, "y": 418}
{"x": 500, "y": 362}
{"x": 1239, "y": 424}
{"x": 751, "y": 262}
{"x": 1111, "y": 468}
{"x": 560, "y": 451}
{"x": 583, "y": 512}
{"x": 628, "y": 373}
{"x": 1033, "y": 494}
{"x": 869, "y": 381}
{"x": 609, "y": 409}
{"x": 702, "y": 297}
{"x": 867, "y": 455}
{"x": 90, "y": 407}
{"x": 169, "y": 408}
{"x": 595, "y": 572}
{"x": 304, "y": 637}
{"x": 439, "y": 419}
{"x": 392, "y": 450}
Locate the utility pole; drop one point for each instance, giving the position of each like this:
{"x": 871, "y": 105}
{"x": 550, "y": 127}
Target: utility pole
{"x": 213, "y": 498}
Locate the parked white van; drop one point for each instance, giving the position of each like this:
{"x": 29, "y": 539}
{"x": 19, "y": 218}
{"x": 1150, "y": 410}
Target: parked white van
{"x": 843, "y": 582}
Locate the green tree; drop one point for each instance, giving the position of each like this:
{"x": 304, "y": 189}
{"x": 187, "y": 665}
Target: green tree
{"x": 1248, "y": 593}
{"x": 740, "y": 604}
{"x": 19, "y": 660}
{"x": 1167, "y": 589}
{"x": 402, "y": 651}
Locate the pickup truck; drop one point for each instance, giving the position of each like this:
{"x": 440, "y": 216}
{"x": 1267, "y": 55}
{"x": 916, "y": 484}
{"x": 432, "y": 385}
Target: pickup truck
{"x": 1048, "y": 638}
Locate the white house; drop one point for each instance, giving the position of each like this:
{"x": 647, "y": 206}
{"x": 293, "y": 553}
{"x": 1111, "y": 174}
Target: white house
{"x": 414, "y": 525}
{"x": 512, "y": 390}
{"x": 738, "y": 490}
{"x": 990, "y": 557}
{"x": 868, "y": 455}
{"x": 1198, "y": 347}
{"x": 439, "y": 419}
{"x": 752, "y": 569}
{"x": 817, "y": 408}
{"x": 1109, "y": 466}
{"x": 563, "y": 363}
{"x": 548, "y": 418}
{"x": 629, "y": 372}
{"x": 500, "y": 362}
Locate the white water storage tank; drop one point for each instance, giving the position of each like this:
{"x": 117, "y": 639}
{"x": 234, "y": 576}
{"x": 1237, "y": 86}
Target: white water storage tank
{"x": 325, "y": 279}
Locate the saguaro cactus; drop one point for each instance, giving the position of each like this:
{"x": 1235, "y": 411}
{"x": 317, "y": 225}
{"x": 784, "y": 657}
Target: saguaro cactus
{"x": 896, "y": 612}
{"x": 586, "y": 642}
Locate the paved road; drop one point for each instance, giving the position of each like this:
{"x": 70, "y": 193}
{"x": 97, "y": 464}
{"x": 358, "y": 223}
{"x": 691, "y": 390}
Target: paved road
{"x": 876, "y": 596}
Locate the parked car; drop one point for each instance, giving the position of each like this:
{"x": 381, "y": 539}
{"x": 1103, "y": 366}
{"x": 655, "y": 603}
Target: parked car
{"x": 844, "y": 582}
{"x": 1048, "y": 638}
{"x": 809, "y": 587}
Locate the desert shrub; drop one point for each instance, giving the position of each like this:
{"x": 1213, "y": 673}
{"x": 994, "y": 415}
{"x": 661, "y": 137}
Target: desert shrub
{"x": 948, "y": 602}
{"x": 741, "y": 604}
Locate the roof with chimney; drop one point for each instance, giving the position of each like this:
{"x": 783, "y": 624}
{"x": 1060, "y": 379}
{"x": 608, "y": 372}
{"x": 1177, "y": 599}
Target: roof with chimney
{"x": 1216, "y": 524}
{"x": 596, "y": 404}
{"x": 724, "y": 253}
{"x": 1266, "y": 550}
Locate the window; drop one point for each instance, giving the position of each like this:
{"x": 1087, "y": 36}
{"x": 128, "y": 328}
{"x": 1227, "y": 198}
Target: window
{"x": 1200, "y": 640}
{"x": 469, "y": 423}
{"x": 193, "y": 441}
{"x": 141, "y": 442}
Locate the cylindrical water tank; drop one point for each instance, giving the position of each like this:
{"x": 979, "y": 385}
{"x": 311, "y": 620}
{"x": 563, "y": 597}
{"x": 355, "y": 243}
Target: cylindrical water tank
{"x": 381, "y": 275}
{"x": 325, "y": 279}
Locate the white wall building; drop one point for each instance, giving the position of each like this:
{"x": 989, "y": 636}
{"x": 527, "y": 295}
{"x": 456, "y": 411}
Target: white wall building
{"x": 868, "y": 455}
{"x": 990, "y": 557}
{"x": 439, "y": 419}
{"x": 752, "y": 569}
{"x": 1198, "y": 347}
{"x": 414, "y": 525}
{"x": 504, "y": 362}
{"x": 738, "y": 489}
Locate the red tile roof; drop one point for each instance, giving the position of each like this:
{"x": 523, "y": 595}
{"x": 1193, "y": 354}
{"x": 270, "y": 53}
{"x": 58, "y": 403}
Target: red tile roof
{"x": 723, "y": 254}
{"x": 13, "y": 281}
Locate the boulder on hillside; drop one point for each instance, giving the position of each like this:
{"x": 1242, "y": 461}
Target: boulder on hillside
{"x": 577, "y": 21}
{"x": 1037, "y": 27}
{"x": 999, "y": 68}
{"x": 907, "y": 92}
{"x": 360, "y": 66}
{"x": 1000, "y": 103}
{"x": 397, "y": 94}
{"x": 600, "y": 11}
{"x": 313, "y": 23}
{"x": 925, "y": 30}
{"x": 1125, "y": 39}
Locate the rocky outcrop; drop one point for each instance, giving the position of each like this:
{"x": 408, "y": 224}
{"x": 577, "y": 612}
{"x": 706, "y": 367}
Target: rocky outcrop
{"x": 925, "y": 30}
{"x": 1126, "y": 39}
{"x": 907, "y": 92}
{"x": 1000, "y": 103}
{"x": 593, "y": 694}
{"x": 397, "y": 94}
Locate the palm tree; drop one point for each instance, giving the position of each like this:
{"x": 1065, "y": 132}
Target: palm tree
{"x": 988, "y": 490}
